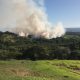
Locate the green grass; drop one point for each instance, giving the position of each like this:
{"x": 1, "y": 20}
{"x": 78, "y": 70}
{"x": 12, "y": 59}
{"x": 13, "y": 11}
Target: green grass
{"x": 40, "y": 70}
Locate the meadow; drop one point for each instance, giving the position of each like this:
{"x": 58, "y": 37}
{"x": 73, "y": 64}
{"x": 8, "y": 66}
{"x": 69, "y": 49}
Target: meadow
{"x": 40, "y": 70}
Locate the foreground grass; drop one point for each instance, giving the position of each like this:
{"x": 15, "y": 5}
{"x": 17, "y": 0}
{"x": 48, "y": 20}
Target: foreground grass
{"x": 40, "y": 70}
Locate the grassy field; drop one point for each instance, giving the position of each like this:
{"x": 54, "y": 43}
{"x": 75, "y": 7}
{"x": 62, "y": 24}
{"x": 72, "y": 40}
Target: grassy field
{"x": 40, "y": 70}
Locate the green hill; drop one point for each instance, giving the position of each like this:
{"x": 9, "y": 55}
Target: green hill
{"x": 40, "y": 70}
{"x": 13, "y": 46}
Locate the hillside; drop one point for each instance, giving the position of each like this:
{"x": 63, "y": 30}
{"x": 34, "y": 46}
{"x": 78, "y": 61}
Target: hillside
{"x": 40, "y": 70}
{"x": 27, "y": 58}
{"x": 13, "y": 46}
{"x": 73, "y": 29}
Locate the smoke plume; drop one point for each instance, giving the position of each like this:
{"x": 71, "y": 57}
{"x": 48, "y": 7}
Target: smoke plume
{"x": 28, "y": 17}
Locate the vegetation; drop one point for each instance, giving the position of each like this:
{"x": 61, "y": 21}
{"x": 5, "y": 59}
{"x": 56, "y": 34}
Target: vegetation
{"x": 13, "y": 46}
{"x": 27, "y": 58}
{"x": 40, "y": 70}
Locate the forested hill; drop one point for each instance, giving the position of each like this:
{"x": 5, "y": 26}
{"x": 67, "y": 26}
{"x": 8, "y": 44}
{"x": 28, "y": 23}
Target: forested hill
{"x": 13, "y": 46}
{"x": 73, "y": 29}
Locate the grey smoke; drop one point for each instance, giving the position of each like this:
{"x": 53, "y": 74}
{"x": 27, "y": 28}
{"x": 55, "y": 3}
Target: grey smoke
{"x": 28, "y": 17}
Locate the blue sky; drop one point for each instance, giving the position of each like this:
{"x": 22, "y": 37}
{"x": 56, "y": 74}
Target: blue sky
{"x": 65, "y": 11}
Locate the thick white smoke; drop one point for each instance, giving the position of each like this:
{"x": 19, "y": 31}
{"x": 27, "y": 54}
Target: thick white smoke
{"x": 28, "y": 17}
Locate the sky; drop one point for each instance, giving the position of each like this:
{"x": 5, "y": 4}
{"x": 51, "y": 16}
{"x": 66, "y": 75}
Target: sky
{"x": 65, "y": 11}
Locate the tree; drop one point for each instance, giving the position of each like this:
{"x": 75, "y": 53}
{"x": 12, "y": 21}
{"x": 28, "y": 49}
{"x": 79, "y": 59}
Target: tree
{"x": 61, "y": 53}
{"x": 75, "y": 55}
{"x": 35, "y": 52}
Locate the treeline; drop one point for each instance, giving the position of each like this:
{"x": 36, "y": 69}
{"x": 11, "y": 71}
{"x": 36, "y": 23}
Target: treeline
{"x": 13, "y": 46}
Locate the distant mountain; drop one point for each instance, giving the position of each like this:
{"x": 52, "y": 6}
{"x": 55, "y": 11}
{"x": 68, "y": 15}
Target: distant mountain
{"x": 72, "y": 29}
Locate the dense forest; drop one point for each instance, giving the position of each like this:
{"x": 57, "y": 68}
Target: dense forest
{"x": 13, "y": 46}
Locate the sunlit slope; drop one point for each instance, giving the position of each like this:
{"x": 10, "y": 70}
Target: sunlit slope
{"x": 40, "y": 70}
